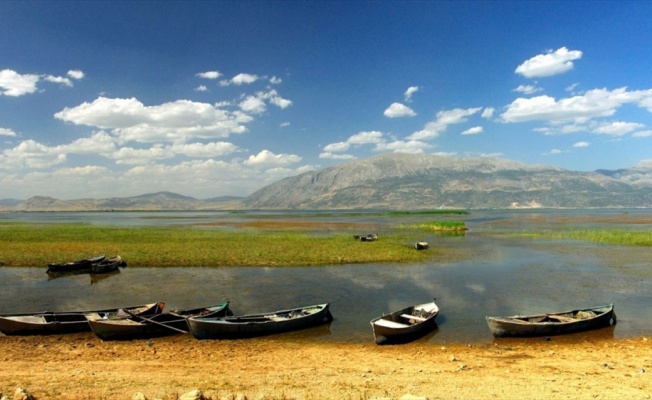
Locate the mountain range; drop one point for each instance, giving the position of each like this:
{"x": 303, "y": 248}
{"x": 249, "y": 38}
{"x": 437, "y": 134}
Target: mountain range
{"x": 402, "y": 182}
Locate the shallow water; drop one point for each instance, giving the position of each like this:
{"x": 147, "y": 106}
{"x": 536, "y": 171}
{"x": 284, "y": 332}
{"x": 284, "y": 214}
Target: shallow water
{"x": 503, "y": 277}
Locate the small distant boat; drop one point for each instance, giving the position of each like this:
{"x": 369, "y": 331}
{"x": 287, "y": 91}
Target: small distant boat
{"x": 47, "y": 322}
{"x": 406, "y": 324}
{"x": 421, "y": 245}
{"x": 260, "y": 324}
{"x": 367, "y": 238}
{"x": 108, "y": 265}
{"x": 149, "y": 326}
{"x": 553, "y": 323}
{"x": 78, "y": 266}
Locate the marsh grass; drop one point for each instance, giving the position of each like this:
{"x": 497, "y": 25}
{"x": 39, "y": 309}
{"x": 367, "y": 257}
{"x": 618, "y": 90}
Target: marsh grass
{"x": 39, "y": 244}
{"x": 437, "y": 226}
{"x": 607, "y": 236}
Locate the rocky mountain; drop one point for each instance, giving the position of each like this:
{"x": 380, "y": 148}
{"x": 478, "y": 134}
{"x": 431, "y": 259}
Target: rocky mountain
{"x": 402, "y": 182}
{"x": 412, "y": 182}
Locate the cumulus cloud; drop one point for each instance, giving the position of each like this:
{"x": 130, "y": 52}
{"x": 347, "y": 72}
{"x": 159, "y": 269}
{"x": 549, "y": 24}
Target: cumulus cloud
{"x": 444, "y": 118}
{"x": 549, "y": 64}
{"x": 14, "y": 84}
{"x": 592, "y": 104}
{"x": 487, "y": 113}
{"x": 401, "y": 146}
{"x": 398, "y": 110}
{"x": 581, "y": 144}
{"x": 333, "y": 156}
{"x": 646, "y": 133}
{"x": 240, "y": 79}
{"x": 201, "y": 88}
{"x": 58, "y": 79}
{"x": 266, "y": 158}
{"x": 409, "y": 92}
{"x": 7, "y": 132}
{"x": 209, "y": 74}
{"x": 31, "y": 154}
{"x": 617, "y": 128}
{"x": 473, "y": 131}
{"x": 275, "y": 80}
{"x": 76, "y": 74}
{"x": 178, "y": 121}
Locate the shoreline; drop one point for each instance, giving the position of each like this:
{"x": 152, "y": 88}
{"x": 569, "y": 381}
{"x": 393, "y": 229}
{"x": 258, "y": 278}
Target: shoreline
{"x": 80, "y": 366}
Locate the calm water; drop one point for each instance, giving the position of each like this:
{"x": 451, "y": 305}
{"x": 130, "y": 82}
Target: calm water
{"x": 503, "y": 276}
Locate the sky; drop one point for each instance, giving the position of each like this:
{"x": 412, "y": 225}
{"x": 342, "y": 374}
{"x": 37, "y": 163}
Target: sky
{"x": 104, "y": 99}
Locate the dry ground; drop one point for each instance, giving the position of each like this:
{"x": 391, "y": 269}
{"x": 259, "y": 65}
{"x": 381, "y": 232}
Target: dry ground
{"x": 80, "y": 366}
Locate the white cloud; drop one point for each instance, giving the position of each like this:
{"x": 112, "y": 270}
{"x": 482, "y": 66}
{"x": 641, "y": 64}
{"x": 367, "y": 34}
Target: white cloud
{"x": 581, "y": 144}
{"x": 178, "y": 121}
{"x": 473, "y": 131}
{"x": 331, "y": 156}
{"x": 7, "y": 132}
{"x": 646, "y": 133}
{"x": 15, "y": 84}
{"x": 253, "y": 105}
{"x": 76, "y": 74}
{"x": 240, "y": 79}
{"x": 209, "y": 74}
{"x": 400, "y": 146}
{"x": 201, "y": 88}
{"x": 409, "y": 92}
{"x": 58, "y": 79}
{"x": 592, "y": 104}
{"x": 549, "y": 64}
{"x": 31, "y": 154}
{"x": 487, "y": 113}
{"x": 398, "y": 110}
{"x": 444, "y": 118}
{"x": 527, "y": 89}
{"x": 275, "y": 80}
{"x": 366, "y": 137}
{"x": 617, "y": 128}
{"x": 337, "y": 147}
{"x": 266, "y": 158}
{"x": 284, "y": 124}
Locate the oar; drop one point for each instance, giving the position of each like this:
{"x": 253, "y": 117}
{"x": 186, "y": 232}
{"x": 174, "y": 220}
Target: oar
{"x": 154, "y": 322}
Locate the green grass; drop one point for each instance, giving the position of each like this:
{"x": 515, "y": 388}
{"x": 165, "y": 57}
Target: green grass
{"x": 38, "y": 244}
{"x": 607, "y": 236}
{"x": 451, "y": 226}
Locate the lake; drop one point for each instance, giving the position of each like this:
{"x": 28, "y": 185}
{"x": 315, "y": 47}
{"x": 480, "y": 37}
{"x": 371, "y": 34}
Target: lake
{"x": 500, "y": 275}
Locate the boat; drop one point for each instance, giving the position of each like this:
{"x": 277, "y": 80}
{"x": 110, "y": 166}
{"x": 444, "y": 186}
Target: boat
{"x": 78, "y": 266}
{"x": 421, "y": 245}
{"x": 406, "y": 324}
{"x": 108, "y": 265}
{"x": 260, "y": 324}
{"x": 48, "y": 322}
{"x": 368, "y": 238}
{"x": 553, "y": 323}
{"x": 149, "y": 326}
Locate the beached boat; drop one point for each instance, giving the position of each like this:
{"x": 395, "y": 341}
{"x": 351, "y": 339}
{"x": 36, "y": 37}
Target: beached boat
{"x": 406, "y": 324}
{"x": 149, "y": 326}
{"x": 78, "y": 266}
{"x": 47, "y": 322}
{"x": 553, "y": 323}
{"x": 421, "y": 245}
{"x": 108, "y": 265}
{"x": 260, "y": 324}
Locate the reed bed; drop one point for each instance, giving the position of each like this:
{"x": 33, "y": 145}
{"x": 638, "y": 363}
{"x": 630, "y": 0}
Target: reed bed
{"x": 39, "y": 244}
{"x": 450, "y": 226}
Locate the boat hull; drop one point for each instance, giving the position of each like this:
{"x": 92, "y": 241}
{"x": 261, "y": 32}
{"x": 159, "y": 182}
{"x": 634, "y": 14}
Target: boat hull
{"x": 150, "y": 326}
{"x": 398, "y": 328}
{"x": 260, "y": 324}
{"x": 550, "y": 324}
{"x": 49, "y": 323}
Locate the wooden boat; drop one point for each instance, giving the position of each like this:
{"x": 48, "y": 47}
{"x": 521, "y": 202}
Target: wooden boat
{"x": 108, "y": 265}
{"x": 78, "y": 266}
{"x": 406, "y": 324}
{"x": 260, "y": 324}
{"x": 421, "y": 245}
{"x": 553, "y": 323}
{"x": 149, "y": 326}
{"x": 45, "y": 323}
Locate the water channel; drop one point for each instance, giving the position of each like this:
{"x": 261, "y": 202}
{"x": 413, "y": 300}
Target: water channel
{"x": 502, "y": 275}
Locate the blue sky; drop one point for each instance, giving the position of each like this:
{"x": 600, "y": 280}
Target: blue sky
{"x": 119, "y": 98}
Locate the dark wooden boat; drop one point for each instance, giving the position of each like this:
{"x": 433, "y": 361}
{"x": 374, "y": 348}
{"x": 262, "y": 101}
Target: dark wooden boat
{"x": 553, "y": 323}
{"x": 406, "y": 324}
{"x": 421, "y": 245}
{"x": 149, "y": 326}
{"x": 108, "y": 265}
{"x": 79, "y": 266}
{"x": 260, "y": 324}
{"x": 45, "y": 323}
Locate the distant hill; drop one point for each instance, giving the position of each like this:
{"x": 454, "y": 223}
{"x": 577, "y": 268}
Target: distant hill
{"x": 404, "y": 181}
